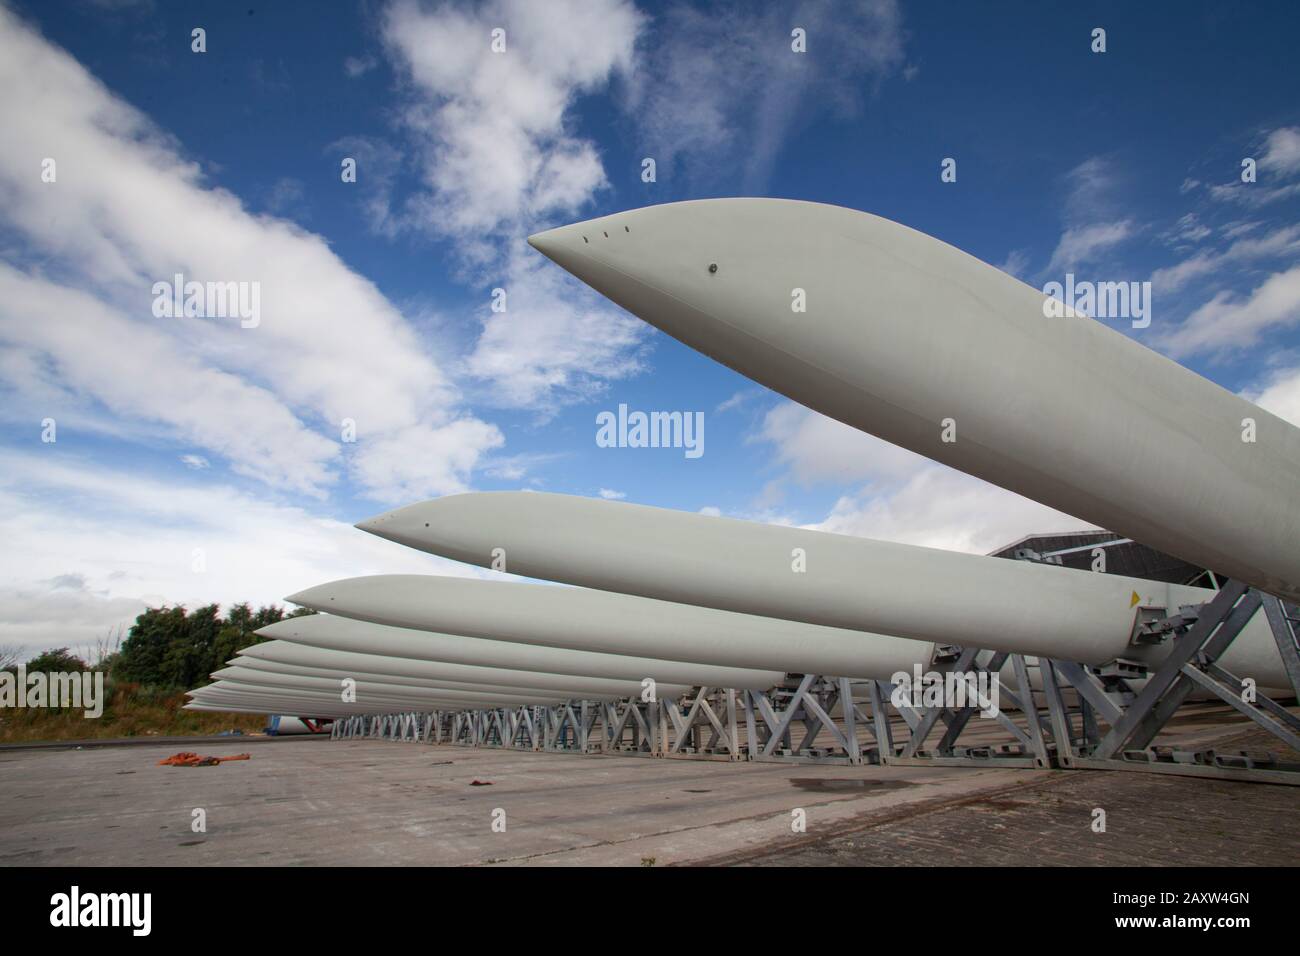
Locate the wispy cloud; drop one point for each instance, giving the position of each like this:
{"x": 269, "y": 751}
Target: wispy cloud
{"x": 1080, "y": 245}
{"x": 896, "y": 495}
{"x": 942, "y": 508}
{"x": 1232, "y": 321}
{"x": 127, "y": 210}
{"x": 1282, "y": 151}
{"x": 1254, "y": 195}
{"x": 1277, "y": 162}
{"x": 133, "y": 369}
{"x": 497, "y": 159}
{"x": 556, "y": 344}
{"x": 1282, "y": 242}
{"x": 355, "y": 66}
{"x": 1188, "y": 230}
{"x": 498, "y": 153}
{"x": 723, "y": 85}
{"x": 1093, "y": 223}
{"x": 816, "y": 449}
{"x": 740, "y": 399}
{"x": 137, "y": 541}
{"x": 1279, "y": 393}
{"x": 1016, "y": 263}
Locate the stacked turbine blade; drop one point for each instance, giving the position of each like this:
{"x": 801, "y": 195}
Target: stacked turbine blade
{"x": 926, "y": 347}
{"x": 902, "y": 333}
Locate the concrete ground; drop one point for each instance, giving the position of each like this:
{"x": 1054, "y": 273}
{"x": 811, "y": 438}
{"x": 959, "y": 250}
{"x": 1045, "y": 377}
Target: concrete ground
{"x": 1150, "y": 820}
{"x": 314, "y": 802}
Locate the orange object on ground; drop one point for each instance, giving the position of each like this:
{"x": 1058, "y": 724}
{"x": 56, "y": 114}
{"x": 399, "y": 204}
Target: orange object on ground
{"x": 188, "y": 758}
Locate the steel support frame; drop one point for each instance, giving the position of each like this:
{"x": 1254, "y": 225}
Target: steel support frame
{"x": 710, "y": 710}
{"x": 1203, "y": 634}
{"x": 1115, "y": 728}
{"x": 805, "y": 704}
{"x": 1030, "y": 747}
{"x": 567, "y": 727}
{"x": 632, "y": 727}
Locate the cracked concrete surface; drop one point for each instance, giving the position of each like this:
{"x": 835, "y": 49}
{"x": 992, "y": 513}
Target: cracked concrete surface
{"x": 376, "y": 802}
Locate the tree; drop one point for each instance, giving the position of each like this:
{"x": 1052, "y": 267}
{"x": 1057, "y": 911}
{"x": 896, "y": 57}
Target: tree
{"x": 172, "y": 647}
{"x": 184, "y": 663}
{"x": 58, "y": 660}
{"x": 152, "y": 634}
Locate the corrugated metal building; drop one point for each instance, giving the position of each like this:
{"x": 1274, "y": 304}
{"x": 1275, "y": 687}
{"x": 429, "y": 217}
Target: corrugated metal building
{"x": 1074, "y": 549}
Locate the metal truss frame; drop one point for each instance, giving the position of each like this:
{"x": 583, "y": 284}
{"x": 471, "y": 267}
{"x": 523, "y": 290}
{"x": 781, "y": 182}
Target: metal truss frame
{"x": 1112, "y": 726}
{"x": 1029, "y": 749}
{"x": 772, "y": 717}
{"x": 1200, "y": 635}
{"x": 632, "y": 727}
{"x": 711, "y": 710}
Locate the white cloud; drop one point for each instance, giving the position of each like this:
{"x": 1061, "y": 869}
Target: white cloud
{"x": 609, "y": 494}
{"x": 739, "y": 399}
{"x": 1231, "y": 321}
{"x": 557, "y": 343}
{"x": 1253, "y": 194}
{"x": 1016, "y": 263}
{"x": 815, "y": 449}
{"x": 1089, "y": 188}
{"x": 287, "y": 197}
{"x": 38, "y": 618}
{"x": 1080, "y": 245}
{"x": 1282, "y": 151}
{"x": 722, "y": 86}
{"x": 942, "y": 508}
{"x": 136, "y": 370}
{"x": 1093, "y": 224}
{"x": 196, "y": 462}
{"x": 422, "y": 461}
{"x": 493, "y": 126}
{"x": 1188, "y": 229}
{"x": 517, "y": 467}
{"x": 355, "y": 66}
{"x": 1278, "y": 161}
{"x": 1280, "y": 242}
{"x": 127, "y": 210}
{"x": 378, "y": 168}
{"x": 902, "y": 496}
{"x": 1280, "y": 394}
{"x": 1235, "y": 230}
{"x": 498, "y": 158}
{"x": 130, "y": 541}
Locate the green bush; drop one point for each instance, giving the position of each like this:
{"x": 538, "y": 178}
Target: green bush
{"x": 170, "y": 647}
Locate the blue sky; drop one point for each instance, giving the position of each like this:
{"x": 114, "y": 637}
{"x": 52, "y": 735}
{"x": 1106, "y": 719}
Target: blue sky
{"x": 200, "y": 461}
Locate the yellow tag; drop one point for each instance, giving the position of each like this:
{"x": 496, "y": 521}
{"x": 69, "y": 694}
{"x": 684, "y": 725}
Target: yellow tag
{"x": 1133, "y": 603}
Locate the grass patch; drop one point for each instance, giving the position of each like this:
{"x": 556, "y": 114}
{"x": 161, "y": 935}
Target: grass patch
{"x": 132, "y": 710}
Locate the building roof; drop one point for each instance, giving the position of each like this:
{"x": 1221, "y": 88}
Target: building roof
{"x": 1129, "y": 558}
